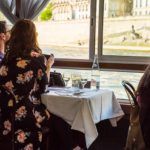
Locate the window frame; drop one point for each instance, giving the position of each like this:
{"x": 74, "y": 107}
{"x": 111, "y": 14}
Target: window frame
{"x": 106, "y": 61}
{"x": 128, "y": 63}
{"x": 114, "y": 58}
{"x": 92, "y": 37}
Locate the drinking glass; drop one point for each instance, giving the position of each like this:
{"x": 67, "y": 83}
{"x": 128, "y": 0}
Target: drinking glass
{"x": 75, "y": 77}
{"x": 66, "y": 78}
{"x": 83, "y": 81}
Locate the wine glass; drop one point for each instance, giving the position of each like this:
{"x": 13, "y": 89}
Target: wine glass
{"x": 83, "y": 82}
{"x": 66, "y": 78}
{"x": 75, "y": 77}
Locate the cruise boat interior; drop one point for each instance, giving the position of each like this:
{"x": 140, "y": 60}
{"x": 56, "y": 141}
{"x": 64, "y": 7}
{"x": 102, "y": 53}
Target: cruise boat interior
{"x": 100, "y": 51}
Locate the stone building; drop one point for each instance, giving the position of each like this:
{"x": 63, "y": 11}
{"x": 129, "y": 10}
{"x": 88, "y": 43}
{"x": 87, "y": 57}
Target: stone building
{"x": 71, "y": 9}
{"x": 116, "y": 8}
{"x": 80, "y": 9}
{"x": 141, "y": 7}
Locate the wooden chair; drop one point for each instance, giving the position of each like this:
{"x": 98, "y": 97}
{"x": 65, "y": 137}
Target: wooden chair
{"x": 130, "y": 90}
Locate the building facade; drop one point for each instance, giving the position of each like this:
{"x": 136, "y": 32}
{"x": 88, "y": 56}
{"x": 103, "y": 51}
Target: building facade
{"x": 117, "y": 8}
{"x": 141, "y": 7}
{"x": 80, "y": 9}
{"x": 71, "y": 9}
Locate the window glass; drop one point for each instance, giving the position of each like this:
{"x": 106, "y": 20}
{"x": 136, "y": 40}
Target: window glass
{"x": 63, "y": 29}
{"x": 108, "y": 79}
{"x": 126, "y": 28}
{"x": 112, "y": 80}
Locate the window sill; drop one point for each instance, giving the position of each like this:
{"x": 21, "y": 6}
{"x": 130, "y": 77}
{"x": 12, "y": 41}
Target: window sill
{"x": 85, "y": 64}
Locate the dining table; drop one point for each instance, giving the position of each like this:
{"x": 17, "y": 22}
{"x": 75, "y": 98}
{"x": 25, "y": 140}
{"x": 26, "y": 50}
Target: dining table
{"x": 83, "y": 108}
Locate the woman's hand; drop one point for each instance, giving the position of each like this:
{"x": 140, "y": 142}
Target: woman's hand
{"x": 3, "y": 36}
{"x": 50, "y": 61}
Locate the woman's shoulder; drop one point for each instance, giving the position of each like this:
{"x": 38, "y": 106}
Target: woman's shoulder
{"x": 37, "y": 59}
{"x": 34, "y": 61}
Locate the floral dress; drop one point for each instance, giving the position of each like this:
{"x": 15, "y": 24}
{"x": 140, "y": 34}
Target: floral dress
{"x": 25, "y": 79}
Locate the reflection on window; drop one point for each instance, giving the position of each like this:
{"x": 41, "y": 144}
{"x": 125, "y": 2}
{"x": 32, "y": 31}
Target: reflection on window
{"x": 63, "y": 29}
{"x": 126, "y": 28}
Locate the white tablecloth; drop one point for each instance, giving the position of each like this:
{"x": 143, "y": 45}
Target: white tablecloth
{"x": 84, "y": 108}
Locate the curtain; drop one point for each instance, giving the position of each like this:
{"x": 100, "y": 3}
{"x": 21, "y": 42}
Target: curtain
{"x": 29, "y": 9}
{"x": 8, "y": 9}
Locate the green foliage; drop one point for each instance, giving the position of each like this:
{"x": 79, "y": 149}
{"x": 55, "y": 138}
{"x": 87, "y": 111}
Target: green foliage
{"x": 46, "y": 13}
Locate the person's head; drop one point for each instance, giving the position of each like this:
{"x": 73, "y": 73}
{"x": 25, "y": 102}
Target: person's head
{"x": 23, "y": 39}
{"x": 2, "y": 31}
{"x": 144, "y": 83}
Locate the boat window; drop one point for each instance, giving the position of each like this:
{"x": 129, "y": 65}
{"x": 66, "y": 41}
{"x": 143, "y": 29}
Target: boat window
{"x": 124, "y": 31}
{"x": 63, "y": 29}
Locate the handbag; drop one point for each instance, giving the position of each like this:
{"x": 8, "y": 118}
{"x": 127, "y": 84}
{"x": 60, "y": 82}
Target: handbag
{"x": 56, "y": 79}
{"x": 135, "y": 139}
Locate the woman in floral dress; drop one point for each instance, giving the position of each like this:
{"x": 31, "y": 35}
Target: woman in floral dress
{"x": 24, "y": 75}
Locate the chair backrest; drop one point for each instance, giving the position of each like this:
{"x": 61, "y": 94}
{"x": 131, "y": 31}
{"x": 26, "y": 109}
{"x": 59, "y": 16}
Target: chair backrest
{"x": 130, "y": 90}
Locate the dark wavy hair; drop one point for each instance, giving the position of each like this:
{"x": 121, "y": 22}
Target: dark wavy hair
{"x": 144, "y": 84}
{"x": 23, "y": 40}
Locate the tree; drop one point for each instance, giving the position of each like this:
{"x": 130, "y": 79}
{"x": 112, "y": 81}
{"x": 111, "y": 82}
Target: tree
{"x": 46, "y": 13}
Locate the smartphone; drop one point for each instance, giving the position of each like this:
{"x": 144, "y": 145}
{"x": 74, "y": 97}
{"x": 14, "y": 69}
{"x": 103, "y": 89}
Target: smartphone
{"x": 51, "y": 56}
